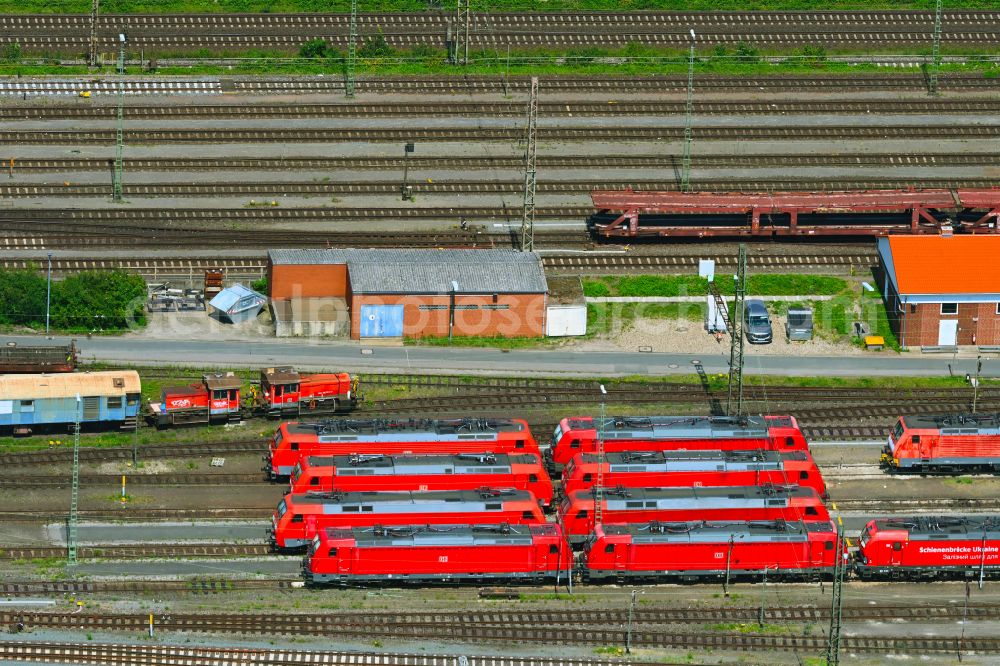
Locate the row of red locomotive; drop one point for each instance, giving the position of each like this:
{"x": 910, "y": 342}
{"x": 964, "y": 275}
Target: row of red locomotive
{"x": 684, "y": 498}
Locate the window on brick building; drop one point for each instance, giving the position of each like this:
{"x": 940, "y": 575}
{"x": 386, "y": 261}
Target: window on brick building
{"x": 949, "y": 308}
{"x": 998, "y": 308}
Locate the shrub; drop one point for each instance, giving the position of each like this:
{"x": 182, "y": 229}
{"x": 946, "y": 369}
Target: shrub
{"x": 376, "y": 47}
{"x": 314, "y": 48}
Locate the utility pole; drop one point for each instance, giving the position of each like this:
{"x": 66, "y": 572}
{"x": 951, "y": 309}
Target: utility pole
{"x": 463, "y": 19}
{"x": 837, "y": 603}
{"x": 975, "y": 383}
{"x": 75, "y": 493}
{"x": 628, "y": 633}
{"x": 92, "y": 55}
{"x": 734, "y": 407}
{"x": 935, "y": 51}
{"x": 689, "y": 114}
{"x": 116, "y": 185}
{"x": 530, "y": 180}
{"x": 352, "y": 51}
{"x": 599, "y": 487}
{"x": 48, "y": 295}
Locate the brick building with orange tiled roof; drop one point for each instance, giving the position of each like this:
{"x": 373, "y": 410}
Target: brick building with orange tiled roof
{"x": 942, "y": 290}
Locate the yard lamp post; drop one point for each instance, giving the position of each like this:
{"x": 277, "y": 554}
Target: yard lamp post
{"x": 451, "y": 309}
{"x": 628, "y": 633}
{"x": 407, "y": 149}
{"x": 48, "y": 295}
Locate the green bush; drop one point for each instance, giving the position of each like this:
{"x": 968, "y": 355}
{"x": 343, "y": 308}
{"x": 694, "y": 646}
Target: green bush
{"x": 88, "y": 301}
{"x": 376, "y": 47}
{"x": 260, "y": 285}
{"x": 314, "y": 48}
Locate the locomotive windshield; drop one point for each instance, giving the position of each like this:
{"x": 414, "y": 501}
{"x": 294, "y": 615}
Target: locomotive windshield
{"x": 556, "y": 436}
{"x": 282, "y": 508}
{"x": 897, "y": 432}
{"x": 277, "y": 437}
{"x": 865, "y": 534}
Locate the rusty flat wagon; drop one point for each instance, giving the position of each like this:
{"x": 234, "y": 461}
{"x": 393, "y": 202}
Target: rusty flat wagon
{"x": 15, "y": 358}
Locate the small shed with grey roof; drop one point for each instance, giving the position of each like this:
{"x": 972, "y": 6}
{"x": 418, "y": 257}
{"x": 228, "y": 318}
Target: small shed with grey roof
{"x": 393, "y": 293}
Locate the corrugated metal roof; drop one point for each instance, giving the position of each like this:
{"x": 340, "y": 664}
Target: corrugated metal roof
{"x": 392, "y": 271}
{"x": 236, "y": 299}
{"x": 68, "y": 385}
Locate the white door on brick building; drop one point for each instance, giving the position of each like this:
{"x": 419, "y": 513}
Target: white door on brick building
{"x": 948, "y": 332}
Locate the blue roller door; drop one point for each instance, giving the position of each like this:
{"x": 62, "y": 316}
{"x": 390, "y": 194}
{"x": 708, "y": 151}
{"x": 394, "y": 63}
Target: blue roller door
{"x": 381, "y": 321}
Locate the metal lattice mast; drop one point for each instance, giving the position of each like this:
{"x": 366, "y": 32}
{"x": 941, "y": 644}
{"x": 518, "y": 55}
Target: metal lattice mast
{"x": 734, "y": 404}
{"x": 463, "y": 19}
{"x": 94, "y": 11}
{"x": 75, "y": 492}
{"x": 689, "y": 115}
{"x": 120, "y": 129}
{"x": 599, "y": 486}
{"x": 935, "y": 51}
{"x": 530, "y": 153}
{"x": 837, "y": 604}
{"x": 352, "y": 51}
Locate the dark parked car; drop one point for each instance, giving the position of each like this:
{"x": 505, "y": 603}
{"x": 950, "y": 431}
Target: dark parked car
{"x": 757, "y": 323}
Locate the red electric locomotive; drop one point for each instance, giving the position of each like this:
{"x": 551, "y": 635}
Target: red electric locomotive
{"x": 643, "y": 505}
{"x": 692, "y": 551}
{"x": 299, "y": 517}
{"x": 437, "y": 553}
{"x": 216, "y": 398}
{"x": 954, "y": 444}
{"x": 929, "y": 547}
{"x": 657, "y": 469}
{"x": 293, "y": 441}
{"x": 461, "y": 471}
{"x": 648, "y": 433}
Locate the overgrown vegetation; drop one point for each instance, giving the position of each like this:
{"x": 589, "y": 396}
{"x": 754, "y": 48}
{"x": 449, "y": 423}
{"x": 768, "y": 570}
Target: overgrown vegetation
{"x": 92, "y": 301}
{"x": 668, "y": 286}
{"x": 274, "y": 6}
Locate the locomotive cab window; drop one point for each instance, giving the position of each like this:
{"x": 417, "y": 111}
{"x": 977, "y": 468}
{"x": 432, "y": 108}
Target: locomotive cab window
{"x": 314, "y": 481}
{"x": 298, "y": 518}
{"x": 915, "y": 439}
{"x": 527, "y": 515}
{"x": 587, "y": 478}
{"x": 553, "y": 548}
{"x": 582, "y": 513}
{"x": 574, "y": 444}
{"x": 610, "y": 548}
{"x": 533, "y": 478}
{"x": 811, "y": 511}
{"x": 803, "y": 475}
{"x": 519, "y": 444}
{"x": 294, "y": 446}
{"x": 897, "y": 545}
{"x": 789, "y": 441}
{"x": 332, "y": 552}
{"x": 828, "y": 545}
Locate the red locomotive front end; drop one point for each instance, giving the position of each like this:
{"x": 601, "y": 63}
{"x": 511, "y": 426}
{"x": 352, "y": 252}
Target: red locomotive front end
{"x": 649, "y": 433}
{"x": 691, "y": 551}
{"x": 951, "y": 444}
{"x": 295, "y": 440}
{"x": 929, "y": 547}
{"x": 437, "y": 553}
{"x": 216, "y": 398}
{"x": 650, "y": 469}
{"x": 644, "y": 505}
{"x": 299, "y": 517}
{"x": 461, "y": 471}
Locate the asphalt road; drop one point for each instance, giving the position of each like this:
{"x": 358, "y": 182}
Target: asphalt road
{"x": 316, "y": 354}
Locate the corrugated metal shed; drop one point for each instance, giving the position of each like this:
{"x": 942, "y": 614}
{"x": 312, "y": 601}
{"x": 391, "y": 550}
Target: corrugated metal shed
{"x": 390, "y": 271}
{"x": 37, "y": 387}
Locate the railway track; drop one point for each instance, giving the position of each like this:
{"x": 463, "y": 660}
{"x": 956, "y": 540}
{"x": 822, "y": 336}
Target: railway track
{"x": 495, "y": 134}
{"x": 61, "y": 33}
{"x": 466, "y": 84}
{"x": 547, "y": 109}
{"x": 191, "y": 586}
{"x": 145, "y": 550}
{"x": 586, "y": 264}
{"x": 562, "y": 187}
{"x": 660, "y": 162}
{"x": 172, "y": 479}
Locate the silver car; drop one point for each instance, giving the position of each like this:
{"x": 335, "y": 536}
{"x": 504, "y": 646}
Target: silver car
{"x": 757, "y": 323}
